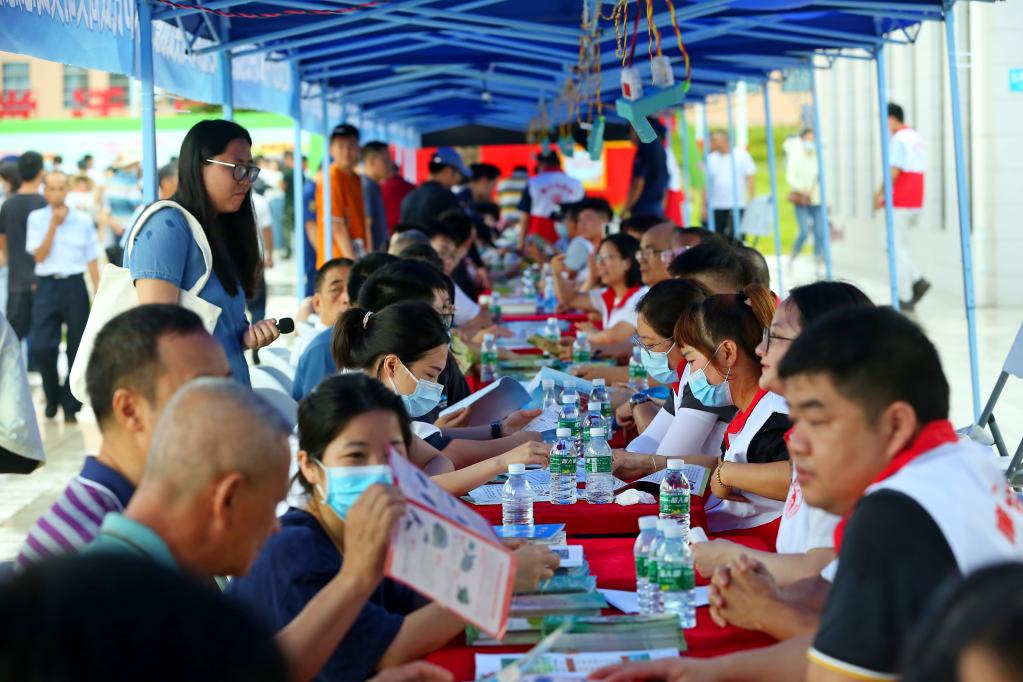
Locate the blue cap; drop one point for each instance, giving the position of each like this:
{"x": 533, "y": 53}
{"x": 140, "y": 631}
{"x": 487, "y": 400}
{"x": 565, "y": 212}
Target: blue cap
{"x": 449, "y": 157}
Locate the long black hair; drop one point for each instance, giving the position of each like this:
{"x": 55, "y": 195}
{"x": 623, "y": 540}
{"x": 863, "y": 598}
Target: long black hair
{"x": 627, "y": 248}
{"x": 232, "y": 236}
{"x": 409, "y": 329}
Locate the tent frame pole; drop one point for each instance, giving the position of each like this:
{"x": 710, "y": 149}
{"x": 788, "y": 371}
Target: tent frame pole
{"x": 148, "y": 96}
{"x": 298, "y": 184}
{"x": 772, "y": 168}
{"x": 822, "y": 212}
{"x": 683, "y": 128}
{"x": 708, "y": 207}
{"x": 328, "y": 215}
{"x": 736, "y": 217}
{"x": 963, "y": 196}
{"x": 886, "y": 175}
{"x": 226, "y": 73}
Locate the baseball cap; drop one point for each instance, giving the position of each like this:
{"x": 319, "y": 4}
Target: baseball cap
{"x": 345, "y": 130}
{"x": 449, "y": 157}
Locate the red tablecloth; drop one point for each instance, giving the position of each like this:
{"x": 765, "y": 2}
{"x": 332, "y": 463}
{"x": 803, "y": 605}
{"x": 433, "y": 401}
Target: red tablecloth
{"x": 568, "y": 317}
{"x": 611, "y": 561}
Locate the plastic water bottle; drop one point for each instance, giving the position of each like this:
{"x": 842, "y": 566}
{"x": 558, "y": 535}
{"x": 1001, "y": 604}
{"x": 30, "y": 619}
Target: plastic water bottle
{"x": 528, "y": 286}
{"x": 550, "y": 394}
{"x": 569, "y": 418}
{"x": 676, "y": 578}
{"x": 553, "y": 330}
{"x": 599, "y": 481}
{"x": 652, "y": 571}
{"x": 599, "y": 395}
{"x": 550, "y": 296}
{"x": 570, "y": 390}
{"x": 488, "y": 359}
{"x": 594, "y": 419}
{"x": 563, "y": 468}
{"x": 640, "y": 552}
{"x": 675, "y": 492}
{"x": 495, "y": 307}
{"x": 637, "y": 372}
{"x": 581, "y": 349}
{"x": 517, "y": 501}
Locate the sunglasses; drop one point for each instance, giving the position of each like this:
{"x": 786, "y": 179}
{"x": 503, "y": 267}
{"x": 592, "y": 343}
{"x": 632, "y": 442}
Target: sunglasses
{"x": 241, "y": 171}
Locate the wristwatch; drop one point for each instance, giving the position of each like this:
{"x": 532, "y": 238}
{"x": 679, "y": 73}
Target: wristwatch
{"x": 495, "y": 430}
{"x": 639, "y": 399}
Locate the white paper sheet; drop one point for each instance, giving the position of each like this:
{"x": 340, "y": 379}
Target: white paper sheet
{"x": 492, "y": 403}
{"x": 571, "y": 555}
{"x": 627, "y": 602}
{"x": 545, "y": 421}
{"x": 575, "y": 664}
{"x": 687, "y": 433}
{"x": 695, "y": 474}
{"x": 581, "y": 385}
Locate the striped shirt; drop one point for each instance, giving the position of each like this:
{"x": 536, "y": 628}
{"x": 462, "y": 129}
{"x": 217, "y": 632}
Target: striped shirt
{"x": 74, "y": 520}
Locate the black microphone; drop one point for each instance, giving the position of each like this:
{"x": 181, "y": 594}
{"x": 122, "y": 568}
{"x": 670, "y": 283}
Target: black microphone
{"x": 285, "y": 325}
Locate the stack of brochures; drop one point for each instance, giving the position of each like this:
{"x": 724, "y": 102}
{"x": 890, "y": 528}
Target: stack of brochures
{"x": 540, "y": 534}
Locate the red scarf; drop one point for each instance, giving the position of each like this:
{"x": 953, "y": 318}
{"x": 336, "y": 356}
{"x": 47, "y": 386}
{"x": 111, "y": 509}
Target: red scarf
{"x": 609, "y": 299}
{"x": 932, "y": 435}
{"x": 739, "y": 421}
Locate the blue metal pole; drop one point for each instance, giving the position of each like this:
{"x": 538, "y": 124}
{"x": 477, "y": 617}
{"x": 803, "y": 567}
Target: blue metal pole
{"x": 298, "y": 184}
{"x": 328, "y": 215}
{"x": 687, "y": 185}
{"x": 963, "y": 195}
{"x": 707, "y": 189}
{"x": 149, "y": 183}
{"x": 825, "y": 227}
{"x": 886, "y": 174}
{"x": 226, "y": 73}
{"x": 736, "y": 219}
{"x": 771, "y": 165}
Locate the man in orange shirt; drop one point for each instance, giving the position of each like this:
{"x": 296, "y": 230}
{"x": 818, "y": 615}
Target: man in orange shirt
{"x": 346, "y": 205}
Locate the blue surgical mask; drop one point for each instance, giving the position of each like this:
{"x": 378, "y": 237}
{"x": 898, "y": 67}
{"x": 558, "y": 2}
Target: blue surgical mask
{"x": 346, "y": 484}
{"x": 426, "y": 396}
{"x": 707, "y": 393}
{"x": 656, "y": 365}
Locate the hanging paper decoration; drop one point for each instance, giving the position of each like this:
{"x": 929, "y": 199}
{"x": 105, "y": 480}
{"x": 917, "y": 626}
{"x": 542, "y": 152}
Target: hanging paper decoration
{"x": 590, "y": 77}
{"x": 635, "y": 104}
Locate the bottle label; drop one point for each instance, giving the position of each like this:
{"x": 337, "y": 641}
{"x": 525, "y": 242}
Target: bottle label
{"x": 637, "y": 371}
{"x": 580, "y": 356}
{"x": 572, "y": 424}
{"x": 563, "y": 464}
{"x": 651, "y": 571}
{"x": 674, "y": 504}
{"x": 641, "y": 568}
{"x": 676, "y": 578}
{"x": 488, "y": 358}
{"x": 600, "y": 464}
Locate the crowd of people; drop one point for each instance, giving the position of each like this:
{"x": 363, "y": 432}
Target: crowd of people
{"x": 170, "y": 556}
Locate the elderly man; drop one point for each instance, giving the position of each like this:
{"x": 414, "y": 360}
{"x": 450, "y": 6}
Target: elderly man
{"x": 655, "y": 252}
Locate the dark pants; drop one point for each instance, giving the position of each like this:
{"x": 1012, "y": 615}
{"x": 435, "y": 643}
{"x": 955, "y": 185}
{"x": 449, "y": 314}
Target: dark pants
{"x": 19, "y": 312}
{"x": 58, "y": 302}
{"x": 723, "y": 224}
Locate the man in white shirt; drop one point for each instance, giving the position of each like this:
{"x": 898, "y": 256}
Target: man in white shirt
{"x": 64, "y": 244}
{"x": 720, "y": 194}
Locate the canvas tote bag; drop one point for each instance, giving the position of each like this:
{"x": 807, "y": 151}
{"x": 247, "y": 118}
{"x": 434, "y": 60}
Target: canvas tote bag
{"x": 116, "y": 294}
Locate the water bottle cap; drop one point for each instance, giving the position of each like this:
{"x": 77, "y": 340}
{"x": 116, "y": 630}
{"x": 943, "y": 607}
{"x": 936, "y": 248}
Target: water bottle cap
{"x": 662, "y": 524}
{"x": 516, "y": 468}
{"x": 599, "y": 381}
{"x": 676, "y": 464}
{"x": 488, "y": 337}
{"x": 548, "y": 383}
{"x": 563, "y": 433}
{"x": 566, "y": 399}
{"x": 597, "y": 431}
{"x": 647, "y": 522}
{"x": 674, "y": 531}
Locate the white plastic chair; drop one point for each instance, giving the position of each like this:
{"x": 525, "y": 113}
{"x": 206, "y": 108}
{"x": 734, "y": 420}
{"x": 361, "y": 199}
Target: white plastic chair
{"x": 1013, "y": 367}
{"x": 263, "y": 376}
{"x": 279, "y": 359}
{"x": 282, "y": 401}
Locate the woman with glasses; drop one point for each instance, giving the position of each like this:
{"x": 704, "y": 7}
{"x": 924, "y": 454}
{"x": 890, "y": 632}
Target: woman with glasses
{"x": 215, "y": 176}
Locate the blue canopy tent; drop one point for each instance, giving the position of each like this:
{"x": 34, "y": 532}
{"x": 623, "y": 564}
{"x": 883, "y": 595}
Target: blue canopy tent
{"x": 409, "y": 68}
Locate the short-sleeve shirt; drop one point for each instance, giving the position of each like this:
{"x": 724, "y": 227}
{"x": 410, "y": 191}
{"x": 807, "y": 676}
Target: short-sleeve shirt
{"x": 296, "y": 563}
{"x": 119, "y": 534}
{"x": 345, "y": 202}
{"x": 394, "y": 190}
{"x": 374, "y": 203}
{"x": 894, "y": 561}
{"x": 650, "y": 164}
{"x": 577, "y": 256}
{"x": 909, "y": 155}
{"x": 74, "y": 245}
{"x": 466, "y": 309}
{"x": 614, "y": 311}
{"x": 315, "y": 364}
{"x": 14, "y": 225}
{"x": 164, "y": 249}
{"x": 719, "y": 172}
{"x": 426, "y": 203}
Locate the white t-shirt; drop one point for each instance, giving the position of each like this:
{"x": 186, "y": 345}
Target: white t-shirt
{"x": 617, "y": 311}
{"x": 907, "y": 151}
{"x": 719, "y": 178}
{"x": 577, "y": 255}
{"x": 465, "y": 308}
{"x": 804, "y": 527}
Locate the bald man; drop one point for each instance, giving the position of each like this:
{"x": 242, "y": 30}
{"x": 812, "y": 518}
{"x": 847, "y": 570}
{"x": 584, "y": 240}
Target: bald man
{"x": 655, "y": 242}
{"x": 206, "y": 504}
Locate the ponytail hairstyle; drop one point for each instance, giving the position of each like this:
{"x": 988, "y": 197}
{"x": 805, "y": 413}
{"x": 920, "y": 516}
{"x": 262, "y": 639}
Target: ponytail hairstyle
{"x": 814, "y": 300}
{"x": 667, "y": 301}
{"x": 232, "y": 236}
{"x": 739, "y": 317}
{"x": 409, "y": 329}
{"x": 627, "y": 247}
{"x": 331, "y": 406}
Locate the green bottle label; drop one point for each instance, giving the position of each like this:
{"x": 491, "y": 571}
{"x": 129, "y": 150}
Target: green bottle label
{"x": 605, "y": 412}
{"x": 563, "y": 463}
{"x": 641, "y": 567}
{"x": 488, "y": 358}
{"x": 637, "y": 371}
{"x": 598, "y": 465}
{"x": 675, "y": 578}
{"x": 651, "y": 570}
{"x": 580, "y": 357}
{"x": 674, "y": 504}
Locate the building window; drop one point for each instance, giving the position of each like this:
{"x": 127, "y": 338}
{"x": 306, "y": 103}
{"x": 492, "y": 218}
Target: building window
{"x": 15, "y": 76}
{"x": 796, "y": 80}
{"x": 122, "y": 82}
{"x": 75, "y": 78}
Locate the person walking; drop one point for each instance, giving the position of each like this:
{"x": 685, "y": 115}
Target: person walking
{"x": 215, "y": 175}
{"x": 63, "y": 242}
{"x": 801, "y": 171}
{"x": 13, "y": 227}
{"x": 720, "y": 190}
{"x": 908, "y": 159}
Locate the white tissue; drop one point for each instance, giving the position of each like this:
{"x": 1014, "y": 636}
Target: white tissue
{"x": 633, "y": 496}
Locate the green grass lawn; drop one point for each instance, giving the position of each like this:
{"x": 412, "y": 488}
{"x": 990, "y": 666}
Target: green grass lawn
{"x": 758, "y": 150}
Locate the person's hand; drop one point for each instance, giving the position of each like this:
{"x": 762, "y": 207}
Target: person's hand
{"x": 558, "y": 264}
{"x": 368, "y": 526}
{"x": 536, "y": 563}
{"x": 879, "y": 199}
{"x": 497, "y": 330}
{"x": 59, "y": 214}
{"x": 746, "y": 593}
{"x": 532, "y": 452}
{"x": 454, "y": 420}
{"x": 565, "y": 352}
{"x": 417, "y": 671}
{"x": 624, "y": 416}
{"x": 305, "y": 309}
{"x": 710, "y": 555}
{"x": 263, "y": 333}
{"x": 668, "y": 669}
{"x": 587, "y": 327}
{"x": 514, "y": 422}
{"x": 630, "y": 466}
{"x": 619, "y": 393}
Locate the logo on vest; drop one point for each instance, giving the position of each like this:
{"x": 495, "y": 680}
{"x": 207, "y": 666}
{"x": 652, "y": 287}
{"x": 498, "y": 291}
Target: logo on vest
{"x": 795, "y": 501}
{"x": 1003, "y": 521}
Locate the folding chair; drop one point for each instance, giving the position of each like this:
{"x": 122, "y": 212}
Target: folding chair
{"x": 264, "y": 376}
{"x": 756, "y": 219}
{"x": 284, "y": 403}
{"x": 278, "y": 359}
{"x": 1013, "y": 366}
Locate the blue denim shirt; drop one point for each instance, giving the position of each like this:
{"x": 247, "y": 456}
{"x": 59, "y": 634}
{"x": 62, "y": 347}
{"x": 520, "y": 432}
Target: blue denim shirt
{"x": 164, "y": 249}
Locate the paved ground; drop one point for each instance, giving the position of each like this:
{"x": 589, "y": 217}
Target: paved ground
{"x": 23, "y": 498}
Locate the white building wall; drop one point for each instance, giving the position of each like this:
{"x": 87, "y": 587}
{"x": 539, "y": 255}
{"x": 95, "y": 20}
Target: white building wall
{"x": 990, "y": 41}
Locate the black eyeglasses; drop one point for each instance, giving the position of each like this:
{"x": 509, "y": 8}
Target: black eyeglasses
{"x": 636, "y": 341}
{"x": 768, "y": 337}
{"x": 241, "y": 171}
